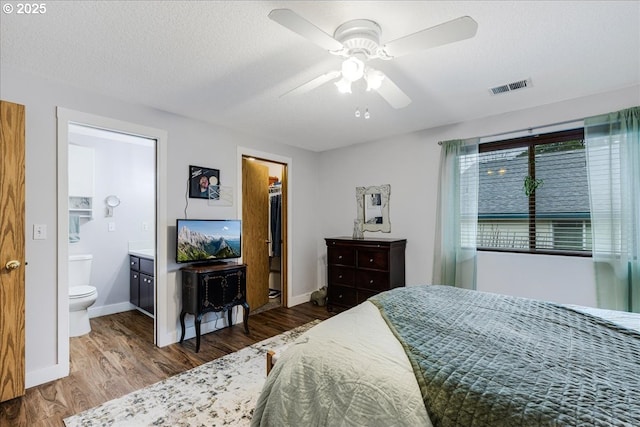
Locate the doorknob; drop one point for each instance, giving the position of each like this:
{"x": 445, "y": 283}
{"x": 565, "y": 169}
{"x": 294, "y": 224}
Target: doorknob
{"x": 12, "y": 265}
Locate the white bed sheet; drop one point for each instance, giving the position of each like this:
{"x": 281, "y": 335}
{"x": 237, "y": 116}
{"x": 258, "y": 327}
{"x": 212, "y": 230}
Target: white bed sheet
{"x": 622, "y": 318}
{"x": 349, "y": 370}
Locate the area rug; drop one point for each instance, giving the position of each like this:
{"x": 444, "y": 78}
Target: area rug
{"x": 221, "y": 392}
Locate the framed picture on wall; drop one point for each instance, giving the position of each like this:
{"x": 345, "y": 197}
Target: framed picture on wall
{"x": 200, "y": 179}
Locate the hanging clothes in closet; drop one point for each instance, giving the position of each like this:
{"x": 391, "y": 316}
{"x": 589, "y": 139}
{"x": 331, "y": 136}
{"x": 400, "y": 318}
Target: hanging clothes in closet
{"x": 275, "y": 214}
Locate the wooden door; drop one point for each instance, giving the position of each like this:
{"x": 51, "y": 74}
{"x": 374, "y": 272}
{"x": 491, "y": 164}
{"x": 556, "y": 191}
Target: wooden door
{"x": 12, "y": 337}
{"x": 255, "y": 231}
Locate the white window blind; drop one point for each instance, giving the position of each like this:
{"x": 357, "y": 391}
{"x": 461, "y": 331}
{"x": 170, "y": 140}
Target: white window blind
{"x": 605, "y": 158}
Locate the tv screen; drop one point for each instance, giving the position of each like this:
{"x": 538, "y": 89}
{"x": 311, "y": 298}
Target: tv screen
{"x": 201, "y": 240}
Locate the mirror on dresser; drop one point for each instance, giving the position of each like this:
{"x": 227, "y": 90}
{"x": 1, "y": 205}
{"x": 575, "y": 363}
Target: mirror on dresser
{"x": 373, "y": 207}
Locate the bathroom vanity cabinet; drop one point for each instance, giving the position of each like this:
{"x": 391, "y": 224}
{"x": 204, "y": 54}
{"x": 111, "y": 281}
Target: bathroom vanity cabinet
{"x": 141, "y": 283}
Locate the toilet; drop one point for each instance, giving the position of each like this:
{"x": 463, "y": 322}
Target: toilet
{"x": 81, "y": 295}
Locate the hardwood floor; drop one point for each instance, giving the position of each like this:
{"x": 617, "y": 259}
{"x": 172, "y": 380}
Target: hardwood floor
{"x": 119, "y": 357}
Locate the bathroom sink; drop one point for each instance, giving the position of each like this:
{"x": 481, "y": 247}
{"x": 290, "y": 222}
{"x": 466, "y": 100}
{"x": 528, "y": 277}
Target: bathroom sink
{"x": 145, "y": 253}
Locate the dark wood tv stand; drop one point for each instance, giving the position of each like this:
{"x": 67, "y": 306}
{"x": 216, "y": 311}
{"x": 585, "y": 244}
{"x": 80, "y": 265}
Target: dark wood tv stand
{"x": 214, "y": 287}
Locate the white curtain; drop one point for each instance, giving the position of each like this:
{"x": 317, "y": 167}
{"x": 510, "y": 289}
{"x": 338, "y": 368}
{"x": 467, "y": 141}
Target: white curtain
{"x": 613, "y": 166}
{"x": 457, "y": 215}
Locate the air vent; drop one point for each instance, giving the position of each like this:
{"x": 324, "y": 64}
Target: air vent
{"x": 509, "y": 87}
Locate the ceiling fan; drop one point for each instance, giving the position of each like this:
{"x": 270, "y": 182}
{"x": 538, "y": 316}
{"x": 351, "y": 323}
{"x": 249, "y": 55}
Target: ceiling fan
{"x": 358, "y": 41}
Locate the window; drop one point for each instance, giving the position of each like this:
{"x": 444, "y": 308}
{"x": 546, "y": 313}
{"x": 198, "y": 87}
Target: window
{"x": 533, "y": 195}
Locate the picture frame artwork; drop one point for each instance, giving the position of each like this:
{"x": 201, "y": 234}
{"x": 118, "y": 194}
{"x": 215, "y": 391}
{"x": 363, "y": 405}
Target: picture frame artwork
{"x": 200, "y": 181}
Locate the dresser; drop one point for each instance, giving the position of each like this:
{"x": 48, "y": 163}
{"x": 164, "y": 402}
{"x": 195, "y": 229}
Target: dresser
{"x": 207, "y": 288}
{"x": 360, "y": 268}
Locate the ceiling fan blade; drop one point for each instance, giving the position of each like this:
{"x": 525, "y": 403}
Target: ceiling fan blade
{"x": 393, "y": 94}
{"x": 312, "y": 84}
{"x": 452, "y": 31}
{"x": 296, "y": 23}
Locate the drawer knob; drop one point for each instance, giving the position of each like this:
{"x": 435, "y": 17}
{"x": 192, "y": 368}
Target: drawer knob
{"x": 339, "y": 256}
{"x": 371, "y": 281}
{"x": 370, "y": 259}
{"x": 340, "y": 276}
{"x": 340, "y": 296}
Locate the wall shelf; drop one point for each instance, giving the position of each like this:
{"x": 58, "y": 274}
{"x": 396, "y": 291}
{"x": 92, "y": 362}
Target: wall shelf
{"x": 81, "y": 206}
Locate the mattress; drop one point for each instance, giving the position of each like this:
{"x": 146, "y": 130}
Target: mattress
{"x": 351, "y": 370}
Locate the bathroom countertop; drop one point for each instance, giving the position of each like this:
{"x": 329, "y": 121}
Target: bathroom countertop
{"x": 143, "y": 253}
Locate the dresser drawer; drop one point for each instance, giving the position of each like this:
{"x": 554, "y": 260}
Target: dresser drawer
{"x": 134, "y": 262}
{"x": 340, "y": 295}
{"x": 146, "y": 266}
{"x": 374, "y": 280}
{"x": 341, "y": 255}
{"x": 376, "y": 259}
{"x": 342, "y": 275}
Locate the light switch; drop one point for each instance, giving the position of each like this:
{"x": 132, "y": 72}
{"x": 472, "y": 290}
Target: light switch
{"x": 39, "y": 231}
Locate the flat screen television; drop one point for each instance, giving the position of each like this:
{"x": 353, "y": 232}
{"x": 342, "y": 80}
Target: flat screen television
{"x": 208, "y": 240}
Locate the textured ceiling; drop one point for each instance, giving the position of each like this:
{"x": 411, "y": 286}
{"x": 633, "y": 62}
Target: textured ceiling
{"x": 227, "y": 63}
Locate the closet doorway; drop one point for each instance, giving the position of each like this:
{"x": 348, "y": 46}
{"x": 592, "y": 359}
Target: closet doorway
{"x": 264, "y": 208}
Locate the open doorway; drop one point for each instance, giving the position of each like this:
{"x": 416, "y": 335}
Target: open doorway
{"x": 112, "y": 193}
{"x": 154, "y": 227}
{"x": 265, "y": 229}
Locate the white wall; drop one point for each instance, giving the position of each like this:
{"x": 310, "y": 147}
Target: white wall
{"x": 190, "y": 142}
{"x": 561, "y": 279}
{"x": 410, "y": 164}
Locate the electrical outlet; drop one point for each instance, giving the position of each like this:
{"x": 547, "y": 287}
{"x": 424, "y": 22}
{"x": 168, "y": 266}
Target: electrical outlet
{"x": 39, "y": 231}
{"x": 112, "y": 226}
{"x": 145, "y": 226}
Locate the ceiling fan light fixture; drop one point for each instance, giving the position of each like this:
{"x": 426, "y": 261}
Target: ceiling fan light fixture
{"x": 358, "y": 40}
{"x": 352, "y": 69}
{"x": 374, "y": 79}
{"x": 343, "y": 85}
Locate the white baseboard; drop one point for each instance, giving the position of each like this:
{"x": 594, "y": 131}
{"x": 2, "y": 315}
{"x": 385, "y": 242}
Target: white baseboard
{"x": 299, "y": 299}
{"x": 209, "y": 324}
{"x": 41, "y": 376}
{"x": 105, "y": 310}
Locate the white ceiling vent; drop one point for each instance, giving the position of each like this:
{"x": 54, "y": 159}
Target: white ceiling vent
{"x": 509, "y": 87}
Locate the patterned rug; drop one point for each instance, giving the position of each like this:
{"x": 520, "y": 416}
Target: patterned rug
{"x": 221, "y": 392}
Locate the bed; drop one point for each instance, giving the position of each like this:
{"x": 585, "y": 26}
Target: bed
{"x": 442, "y": 356}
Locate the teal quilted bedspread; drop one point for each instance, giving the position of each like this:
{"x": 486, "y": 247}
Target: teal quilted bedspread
{"x": 484, "y": 359}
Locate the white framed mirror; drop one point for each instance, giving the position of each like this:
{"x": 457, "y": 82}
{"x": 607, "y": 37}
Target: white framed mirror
{"x": 373, "y": 207}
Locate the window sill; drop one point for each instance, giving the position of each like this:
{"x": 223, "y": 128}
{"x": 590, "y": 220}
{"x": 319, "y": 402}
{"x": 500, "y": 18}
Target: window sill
{"x": 538, "y": 252}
